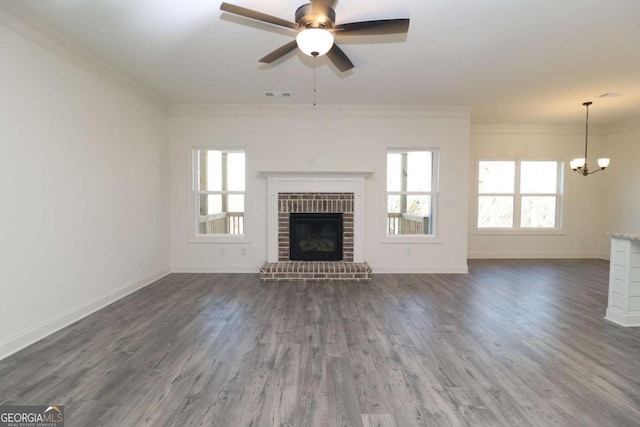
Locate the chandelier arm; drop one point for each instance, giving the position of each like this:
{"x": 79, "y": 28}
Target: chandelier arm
{"x": 584, "y": 172}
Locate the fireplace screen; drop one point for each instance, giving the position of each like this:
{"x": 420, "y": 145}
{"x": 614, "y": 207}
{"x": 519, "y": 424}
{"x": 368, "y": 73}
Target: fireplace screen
{"x": 315, "y": 236}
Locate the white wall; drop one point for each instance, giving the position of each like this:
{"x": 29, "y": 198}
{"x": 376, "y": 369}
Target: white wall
{"x": 84, "y": 192}
{"x": 621, "y": 200}
{"x": 346, "y": 139}
{"x": 582, "y": 230}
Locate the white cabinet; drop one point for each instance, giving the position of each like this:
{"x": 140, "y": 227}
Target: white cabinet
{"x": 624, "y": 280}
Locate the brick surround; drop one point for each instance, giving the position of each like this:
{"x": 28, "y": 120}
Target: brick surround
{"x": 315, "y": 203}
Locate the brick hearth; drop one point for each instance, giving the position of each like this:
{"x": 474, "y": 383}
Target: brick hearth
{"x": 315, "y": 270}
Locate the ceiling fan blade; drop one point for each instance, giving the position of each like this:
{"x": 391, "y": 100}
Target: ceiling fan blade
{"x": 279, "y": 52}
{"x": 258, "y": 16}
{"x": 339, "y": 58}
{"x": 372, "y": 28}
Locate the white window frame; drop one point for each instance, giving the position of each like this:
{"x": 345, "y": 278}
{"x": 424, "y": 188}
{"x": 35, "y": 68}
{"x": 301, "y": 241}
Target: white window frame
{"x": 193, "y": 236}
{"x": 434, "y": 193}
{"x": 517, "y": 199}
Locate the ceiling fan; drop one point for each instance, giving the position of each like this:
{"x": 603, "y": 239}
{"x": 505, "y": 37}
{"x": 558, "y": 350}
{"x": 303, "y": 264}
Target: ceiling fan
{"x": 315, "y": 26}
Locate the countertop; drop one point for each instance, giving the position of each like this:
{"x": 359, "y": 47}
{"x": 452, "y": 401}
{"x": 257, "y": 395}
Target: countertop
{"x": 628, "y": 236}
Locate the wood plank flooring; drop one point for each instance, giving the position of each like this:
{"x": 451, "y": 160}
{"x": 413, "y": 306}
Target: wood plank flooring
{"x": 514, "y": 343}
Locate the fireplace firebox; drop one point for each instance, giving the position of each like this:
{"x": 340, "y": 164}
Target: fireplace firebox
{"x": 315, "y": 236}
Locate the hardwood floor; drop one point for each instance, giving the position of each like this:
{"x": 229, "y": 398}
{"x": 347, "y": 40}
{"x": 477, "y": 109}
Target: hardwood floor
{"x": 515, "y": 342}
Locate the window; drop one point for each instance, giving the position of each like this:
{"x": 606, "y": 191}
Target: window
{"x": 519, "y": 194}
{"x": 411, "y": 192}
{"x": 218, "y": 192}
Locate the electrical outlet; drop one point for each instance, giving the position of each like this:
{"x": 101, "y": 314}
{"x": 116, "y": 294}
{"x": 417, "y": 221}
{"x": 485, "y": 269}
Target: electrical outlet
{"x": 243, "y": 251}
{"x": 221, "y": 251}
{"x": 140, "y": 261}
{"x": 408, "y": 253}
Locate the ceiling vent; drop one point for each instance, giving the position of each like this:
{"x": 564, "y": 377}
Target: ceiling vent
{"x": 277, "y": 94}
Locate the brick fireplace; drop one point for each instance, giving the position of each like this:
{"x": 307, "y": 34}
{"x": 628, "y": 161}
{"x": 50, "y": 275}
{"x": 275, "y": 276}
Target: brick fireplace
{"x": 315, "y": 192}
{"x": 315, "y": 203}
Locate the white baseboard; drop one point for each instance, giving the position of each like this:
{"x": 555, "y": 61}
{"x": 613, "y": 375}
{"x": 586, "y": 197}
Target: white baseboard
{"x": 383, "y": 269}
{"x": 227, "y": 268}
{"x": 35, "y": 333}
{"x": 622, "y": 319}
{"x": 532, "y": 255}
{"x": 399, "y": 269}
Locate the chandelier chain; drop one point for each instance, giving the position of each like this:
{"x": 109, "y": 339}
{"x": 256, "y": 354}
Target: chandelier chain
{"x": 586, "y": 135}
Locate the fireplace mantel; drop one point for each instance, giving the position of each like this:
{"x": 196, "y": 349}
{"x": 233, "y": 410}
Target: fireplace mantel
{"x": 315, "y": 182}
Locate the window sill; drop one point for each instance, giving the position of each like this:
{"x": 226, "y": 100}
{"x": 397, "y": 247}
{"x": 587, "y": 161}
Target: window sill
{"x": 520, "y": 232}
{"x": 411, "y": 239}
{"x": 220, "y": 238}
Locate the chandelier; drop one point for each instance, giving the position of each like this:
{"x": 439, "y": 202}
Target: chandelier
{"x": 580, "y": 164}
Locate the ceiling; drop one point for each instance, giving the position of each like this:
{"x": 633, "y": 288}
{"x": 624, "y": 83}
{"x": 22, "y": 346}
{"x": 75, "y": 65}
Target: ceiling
{"x": 511, "y": 62}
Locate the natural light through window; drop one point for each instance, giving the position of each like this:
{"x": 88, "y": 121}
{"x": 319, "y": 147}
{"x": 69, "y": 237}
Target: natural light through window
{"x": 219, "y": 192}
{"x": 410, "y": 192}
{"x": 519, "y": 194}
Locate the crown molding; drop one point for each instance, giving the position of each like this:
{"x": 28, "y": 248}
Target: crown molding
{"x": 624, "y": 126}
{"x": 35, "y": 32}
{"x": 533, "y": 130}
{"x": 325, "y": 110}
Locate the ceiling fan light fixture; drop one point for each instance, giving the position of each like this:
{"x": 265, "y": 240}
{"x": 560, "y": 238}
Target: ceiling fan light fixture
{"x": 314, "y": 41}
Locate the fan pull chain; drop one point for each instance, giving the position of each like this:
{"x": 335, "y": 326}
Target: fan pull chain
{"x": 314, "y": 87}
